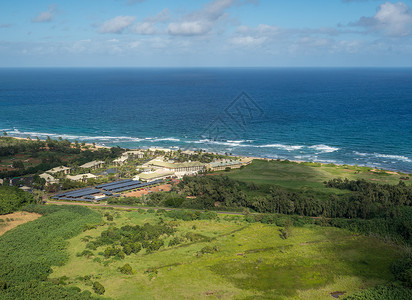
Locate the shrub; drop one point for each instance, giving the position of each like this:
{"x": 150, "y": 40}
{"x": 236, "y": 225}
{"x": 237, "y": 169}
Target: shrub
{"x": 402, "y": 270}
{"x": 98, "y": 288}
{"x": 126, "y": 269}
{"x": 391, "y": 292}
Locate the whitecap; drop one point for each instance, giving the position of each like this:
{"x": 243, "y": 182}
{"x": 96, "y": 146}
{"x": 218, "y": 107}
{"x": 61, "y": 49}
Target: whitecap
{"x": 281, "y": 146}
{"x": 324, "y": 148}
{"x": 396, "y": 157}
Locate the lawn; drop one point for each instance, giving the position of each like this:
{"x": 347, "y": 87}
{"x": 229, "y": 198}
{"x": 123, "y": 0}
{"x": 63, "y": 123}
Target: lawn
{"x": 253, "y": 262}
{"x": 305, "y": 175}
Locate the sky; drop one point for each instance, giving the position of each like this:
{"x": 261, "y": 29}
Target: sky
{"x": 205, "y": 33}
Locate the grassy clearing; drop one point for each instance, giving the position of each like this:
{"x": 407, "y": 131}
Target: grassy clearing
{"x": 252, "y": 262}
{"x": 305, "y": 175}
{"x": 9, "y": 221}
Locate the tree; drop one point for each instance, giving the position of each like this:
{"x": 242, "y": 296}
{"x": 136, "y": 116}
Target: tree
{"x": 38, "y": 182}
{"x": 286, "y": 231}
{"x": 126, "y": 269}
{"x": 98, "y": 288}
{"x": 18, "y": 164}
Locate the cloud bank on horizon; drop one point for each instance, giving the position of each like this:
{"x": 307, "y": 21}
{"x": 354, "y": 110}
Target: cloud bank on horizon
{"x": 205, "y": 33}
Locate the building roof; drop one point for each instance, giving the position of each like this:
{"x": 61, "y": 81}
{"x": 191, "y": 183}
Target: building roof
{"x": 169, "y": 165}
{"x": 47, "y": 177}
{"x": 81, "y": 176}
{"x": 25, "y": 188}
{"x": 58, "y": 169}
{"x": 155, "y": 174}
{"x": 225, "y": 163}
{"x": 92, "y": 164}
{"x": 189, "y": 152}
{"x": 121, "y": 159}
{"x": 153, "y": 149}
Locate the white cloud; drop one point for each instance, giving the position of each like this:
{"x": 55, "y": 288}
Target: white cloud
{"x": 248, "y": 41}
{"x": 188, "y": 28}
{"x": 45, "y": 16}
{"x": 391, "y": 19}
{"x": 161, "y": 17}
{"x": 117, "y": 24}
{"x": 202, "y": 21}
{"x": 145, "y": 28}
{"x": 149, "y": 25}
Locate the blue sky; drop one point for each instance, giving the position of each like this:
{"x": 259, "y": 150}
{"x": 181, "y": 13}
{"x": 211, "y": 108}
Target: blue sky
{"x": 183, "y": 33}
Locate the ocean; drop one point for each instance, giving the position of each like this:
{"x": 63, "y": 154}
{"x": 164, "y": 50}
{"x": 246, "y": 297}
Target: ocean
{"x": 331, "y": 115}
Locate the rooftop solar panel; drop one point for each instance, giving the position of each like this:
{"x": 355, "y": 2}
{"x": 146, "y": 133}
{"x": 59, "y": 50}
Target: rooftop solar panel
{"x": 74, "y": 192}
{"x": 113, "y": 183}
{"x": 113, "y": 187}
{"x": 121, "y": 185}
{"x": 82, "y": 193}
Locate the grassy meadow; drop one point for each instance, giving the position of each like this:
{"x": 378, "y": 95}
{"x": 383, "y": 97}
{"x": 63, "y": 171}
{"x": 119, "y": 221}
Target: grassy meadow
{"x": 252, "y": 262}
{"x": 307, "y": 175}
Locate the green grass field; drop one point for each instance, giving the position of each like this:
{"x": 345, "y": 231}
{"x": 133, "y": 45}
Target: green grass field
{"x": 253, "y": 262}
{"x": 306, "y": 175}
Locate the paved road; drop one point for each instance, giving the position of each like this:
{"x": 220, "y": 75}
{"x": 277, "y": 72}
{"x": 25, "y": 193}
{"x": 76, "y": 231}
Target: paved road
{"x": 135, "y": 207}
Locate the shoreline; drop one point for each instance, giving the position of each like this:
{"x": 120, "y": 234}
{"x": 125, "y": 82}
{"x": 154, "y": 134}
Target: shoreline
{"x": 373, "y": 169}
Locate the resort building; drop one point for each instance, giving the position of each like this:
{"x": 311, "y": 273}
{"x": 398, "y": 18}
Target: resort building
{"x": 153, "y": 150}
{"x": 120, "y": 161}
{"x": 61, "y": 169}
{"x": 49, "y": 179}
{"x": 81, "y": 177}
{"x": 134, "y": 154}
{"x": 188, "y": 152}
{"x": 26, "y": 188}
{"x": 127, "y": 156}
{"x": 156, "y": 175}
{"x": 93, "y": 165}
{"x": 190, "y": 166}
{"x": 220, "y": 165}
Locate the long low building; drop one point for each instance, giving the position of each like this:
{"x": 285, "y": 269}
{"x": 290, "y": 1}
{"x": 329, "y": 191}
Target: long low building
{"x": 61, "y": 169}
{"x": 220, "y": 165}
{"x": 156, "y": 175}
{"x": 49, "y": 178}
{"x": 81, "y": 177}
{"x": 120, "y": 161}
{"x": 93, "y": 165}
{"x": 177, "y": 167}
{"x": 134, "y": 154}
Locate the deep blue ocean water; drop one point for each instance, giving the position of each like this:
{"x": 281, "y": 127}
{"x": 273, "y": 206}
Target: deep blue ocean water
{"x": 353, "y": 116}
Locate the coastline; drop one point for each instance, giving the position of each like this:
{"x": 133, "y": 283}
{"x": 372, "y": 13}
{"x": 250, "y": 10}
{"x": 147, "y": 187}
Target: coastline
{"x": 372, "y": 168}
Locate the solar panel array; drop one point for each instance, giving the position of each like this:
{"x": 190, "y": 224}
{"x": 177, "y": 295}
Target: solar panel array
{"x": 137, "y": 185}
{"x": 113, "y": 183}
{"x": 107, "y": 189}
{"x": 128, "y": 184}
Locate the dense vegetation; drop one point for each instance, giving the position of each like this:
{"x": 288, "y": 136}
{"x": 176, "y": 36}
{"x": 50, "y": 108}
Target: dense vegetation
{"x": 12, "y": 198}
{"x": 131, "y": 239}
{"x": 228, "y": 256}
{"x": 50, "y": 153}
{"x": 29, "y": 251}
{"x": 382, "y": 292}
{"x": 367, "y": 208}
